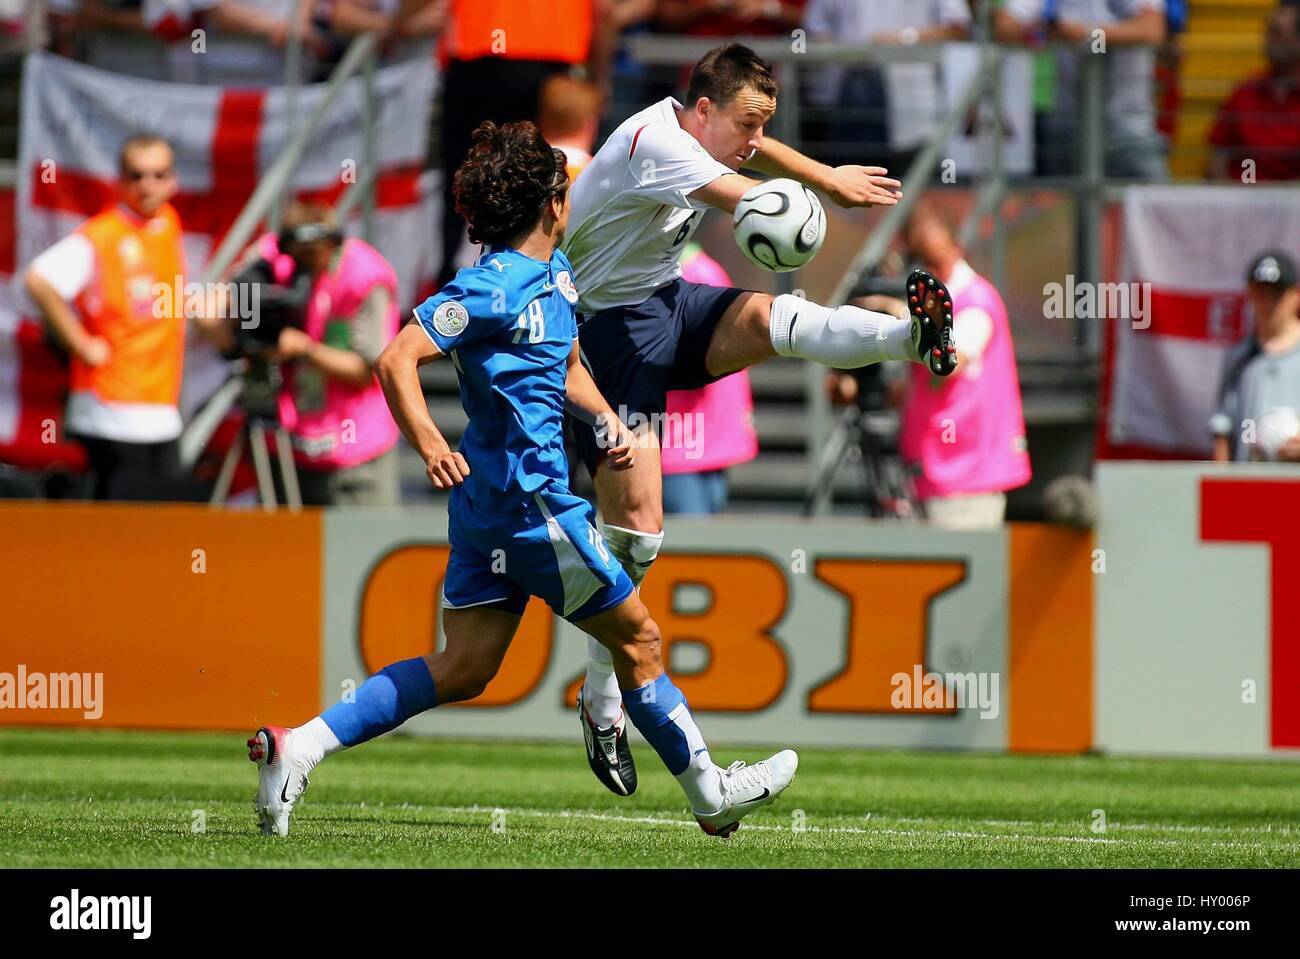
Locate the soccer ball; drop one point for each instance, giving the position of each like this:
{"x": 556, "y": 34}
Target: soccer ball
{"x": 780, "y": 225}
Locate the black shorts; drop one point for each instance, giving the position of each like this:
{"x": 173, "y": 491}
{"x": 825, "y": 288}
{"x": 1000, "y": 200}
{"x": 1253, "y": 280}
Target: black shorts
{"x": 638, "y": 353}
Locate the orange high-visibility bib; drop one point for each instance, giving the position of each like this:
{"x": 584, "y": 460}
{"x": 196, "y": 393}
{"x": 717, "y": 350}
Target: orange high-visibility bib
{"x": 534, "y": 30}
{"x": 137, "y": 262}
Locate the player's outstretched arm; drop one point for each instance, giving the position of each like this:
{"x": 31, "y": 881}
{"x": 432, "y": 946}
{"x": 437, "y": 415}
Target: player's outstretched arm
{"x": 398, "y": 371}
{"x": 848, "y": 186}
{"x": 582, "y": 393}
{"x": 725, "y": 192}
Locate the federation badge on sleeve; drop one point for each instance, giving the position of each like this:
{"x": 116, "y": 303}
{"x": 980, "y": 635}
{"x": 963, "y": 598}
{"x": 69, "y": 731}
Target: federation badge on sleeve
{"x": 450, "y": 319}
{"x": 565, "y": 284}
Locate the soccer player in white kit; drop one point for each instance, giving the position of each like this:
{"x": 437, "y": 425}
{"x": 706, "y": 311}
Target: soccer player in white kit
{"x": 644, "y": 331}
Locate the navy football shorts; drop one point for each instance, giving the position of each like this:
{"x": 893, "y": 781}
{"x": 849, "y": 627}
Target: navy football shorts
{"x": 638, "y": 353}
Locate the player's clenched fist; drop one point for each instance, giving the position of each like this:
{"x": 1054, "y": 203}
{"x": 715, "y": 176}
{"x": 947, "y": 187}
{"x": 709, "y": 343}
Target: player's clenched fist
{"x": 447, "y": 469}
{"x": 617, "y": 440}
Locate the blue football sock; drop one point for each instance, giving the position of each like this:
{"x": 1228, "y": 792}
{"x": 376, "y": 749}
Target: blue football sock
{"x": 658, "y": 709}
{"x": 385, "y": 701}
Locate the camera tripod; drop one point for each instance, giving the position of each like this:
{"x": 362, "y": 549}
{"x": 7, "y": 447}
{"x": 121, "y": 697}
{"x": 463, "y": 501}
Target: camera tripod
{"x": 256, "y": 393}
{"x": 886, "y": 486}
{"x": 253, "y": 435}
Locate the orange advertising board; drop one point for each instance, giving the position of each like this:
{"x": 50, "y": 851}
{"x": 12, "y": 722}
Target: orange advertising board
{"x": 190, "y": 618}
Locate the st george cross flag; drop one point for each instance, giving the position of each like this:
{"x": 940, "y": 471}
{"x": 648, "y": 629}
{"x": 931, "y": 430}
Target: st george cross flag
{"x": 74, "y": 119}
{"x": 1193, "y": 245}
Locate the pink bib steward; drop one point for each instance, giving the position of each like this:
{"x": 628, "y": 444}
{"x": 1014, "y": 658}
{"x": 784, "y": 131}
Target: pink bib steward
{"x": 343, "y": 425}
{"x": 713, "y": 427}
{"x": 977, "y": 410}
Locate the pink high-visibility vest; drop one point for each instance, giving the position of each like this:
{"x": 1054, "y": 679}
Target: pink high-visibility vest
{"x": 967, "y": 432}
{"x": 349, "y": 424}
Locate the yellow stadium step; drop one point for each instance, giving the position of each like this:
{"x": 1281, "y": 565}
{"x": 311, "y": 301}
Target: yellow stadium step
{"x": 1223, "y": 45}
{"x": 1242, "y": 8}
{"x": 1223, "y": 25}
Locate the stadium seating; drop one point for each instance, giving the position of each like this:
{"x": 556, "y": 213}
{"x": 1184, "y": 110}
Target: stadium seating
{"x": 1223, "y": 45}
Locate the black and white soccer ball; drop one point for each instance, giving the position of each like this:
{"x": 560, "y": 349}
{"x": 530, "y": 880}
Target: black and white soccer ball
{"x": 780, "y": 225}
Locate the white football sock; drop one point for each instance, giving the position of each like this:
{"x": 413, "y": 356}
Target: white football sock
{"x": 601, "y": 696}
{"x": 314, "y": 741}
{"x": 701, "y": 780}
{"x": 635, "y": 552}
{"x": 845, "y": 338}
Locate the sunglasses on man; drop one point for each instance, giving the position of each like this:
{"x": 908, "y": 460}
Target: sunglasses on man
{"x": 135, "y": 176}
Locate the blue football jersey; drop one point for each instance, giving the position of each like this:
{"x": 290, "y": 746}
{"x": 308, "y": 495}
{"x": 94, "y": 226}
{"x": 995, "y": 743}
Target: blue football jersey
{"x": 508, "y": 325}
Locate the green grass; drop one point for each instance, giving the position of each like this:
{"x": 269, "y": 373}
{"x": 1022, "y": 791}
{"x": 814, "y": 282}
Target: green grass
{"x": 126, "y": 799}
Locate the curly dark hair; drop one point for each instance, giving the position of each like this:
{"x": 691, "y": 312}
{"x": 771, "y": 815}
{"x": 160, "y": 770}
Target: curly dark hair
{"x": 505, "y": 182}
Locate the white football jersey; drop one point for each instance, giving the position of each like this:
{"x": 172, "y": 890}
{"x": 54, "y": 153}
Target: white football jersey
{"x": 631, "y": 211}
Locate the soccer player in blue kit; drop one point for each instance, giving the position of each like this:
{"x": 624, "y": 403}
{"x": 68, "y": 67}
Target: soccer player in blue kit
{"x": 508, "y": 325}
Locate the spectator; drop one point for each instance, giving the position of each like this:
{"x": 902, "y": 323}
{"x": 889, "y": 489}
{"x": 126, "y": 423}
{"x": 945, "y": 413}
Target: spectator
{"x": 964, "y": 435}
{"x": 1132, "y": 29}
{"x": 708, "y": 430}
{"x": 246, "y": 41}
{"x": 133, "y": 37}
{"x": 887, "y": 488}
{"x": 331, "y": 403}
{"x": 99, "y": 290}
{"x": 345, "y": 19}
{"x": 631, "y": 87}
{"x": 860, "y": 99}
{"x": 497, "y": 55}
{"x": 1260, "y": 120}
{"x": 17, "y": 26}
{"x": 729, "y": 18}
{"x": 351, "y": 17}
{"x": 568, "y": 115}
{"x": 1259, "y": 394}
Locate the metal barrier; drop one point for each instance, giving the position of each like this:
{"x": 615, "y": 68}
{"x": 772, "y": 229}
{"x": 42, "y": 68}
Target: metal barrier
{"x": 267, "y": 198}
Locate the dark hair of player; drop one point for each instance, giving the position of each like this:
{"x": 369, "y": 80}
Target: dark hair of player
{"x": 505, "y": 182}
{"x": 724, "y": 71}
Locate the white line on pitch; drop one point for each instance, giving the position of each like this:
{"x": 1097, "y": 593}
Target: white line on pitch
{"x": 658, "y": 821}
{"x": 857, "y": 830}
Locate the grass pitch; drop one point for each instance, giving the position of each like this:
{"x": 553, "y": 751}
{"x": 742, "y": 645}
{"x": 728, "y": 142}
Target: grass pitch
{"x": 108, "y": 798}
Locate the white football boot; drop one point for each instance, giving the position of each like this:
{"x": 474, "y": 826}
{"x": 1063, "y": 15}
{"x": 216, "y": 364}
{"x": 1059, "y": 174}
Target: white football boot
{"x": 746, "y": 788}
{"x": 281, "y": 778}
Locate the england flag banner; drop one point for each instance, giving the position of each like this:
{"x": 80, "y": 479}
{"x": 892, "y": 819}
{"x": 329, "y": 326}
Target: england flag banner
{"x": 75, "y": 118}
{"x": 1186, "y": 253}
